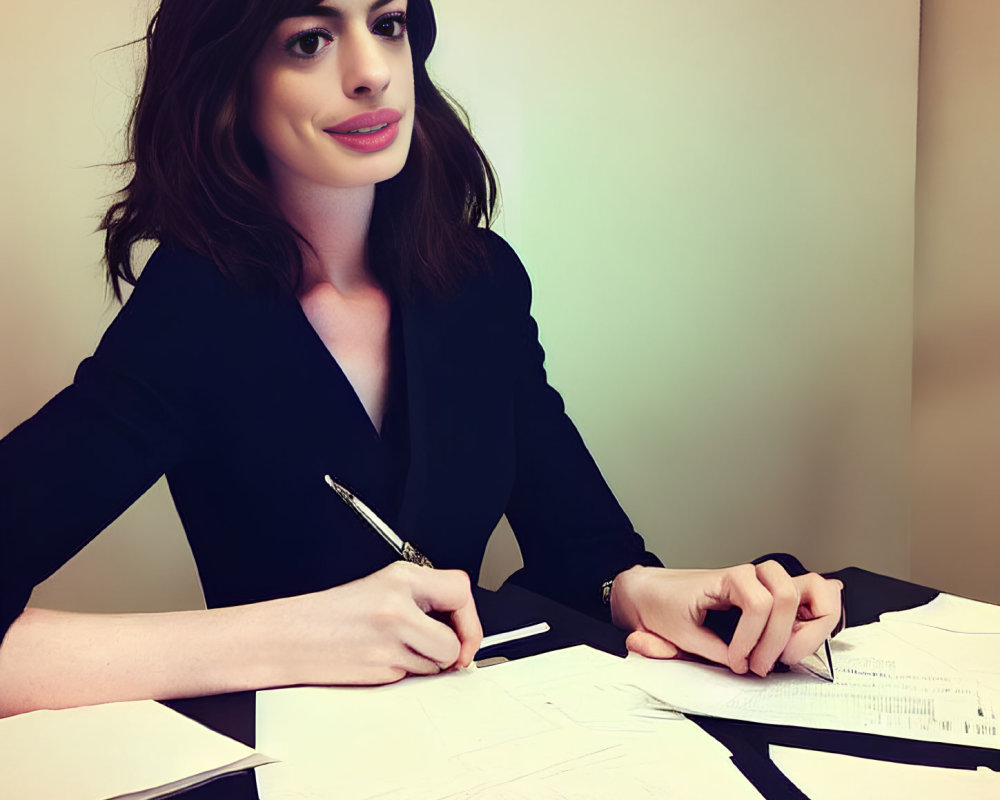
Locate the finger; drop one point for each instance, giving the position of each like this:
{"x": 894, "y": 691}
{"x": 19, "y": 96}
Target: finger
{"x": 819, "y": 596}
{"x": 780, "y": 622}
{"x": 430, "y": 638}
{"x": 703, "y": 642}
{"x": 417, "y": 664}
{"x": 469, "y": 630}
{"x": 742, "y": 588}
{"x": 650, "y": 645}
{"x": 450, "y": 591}
{"x": 440, "y": 589}
{"x": 819, "y": 612}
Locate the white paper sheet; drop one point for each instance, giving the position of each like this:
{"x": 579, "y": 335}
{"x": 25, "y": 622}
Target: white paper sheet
{"x": 551, "y": 726}
{"x": 883, "y": 685}
{"x": 831, "y": 776}
{"x": 951, "y": 613}
{"x": 132, "y": 750}
{"x": 963, "y": 633}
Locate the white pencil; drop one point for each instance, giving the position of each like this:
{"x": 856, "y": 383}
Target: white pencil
{"x": 514, "y": 635}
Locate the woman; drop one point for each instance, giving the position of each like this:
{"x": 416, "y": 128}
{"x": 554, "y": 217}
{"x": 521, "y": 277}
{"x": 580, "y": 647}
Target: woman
{"x": 323, "y": 302}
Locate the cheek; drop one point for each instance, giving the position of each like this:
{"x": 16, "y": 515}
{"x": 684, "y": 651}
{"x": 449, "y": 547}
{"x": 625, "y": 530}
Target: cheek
{"x": 277, "y": 105}
{"x": 406, "y": 79}
{"x": 261, "y": 105}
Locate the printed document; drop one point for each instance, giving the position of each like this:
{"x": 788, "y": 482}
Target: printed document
{"x": 884, "y": 685}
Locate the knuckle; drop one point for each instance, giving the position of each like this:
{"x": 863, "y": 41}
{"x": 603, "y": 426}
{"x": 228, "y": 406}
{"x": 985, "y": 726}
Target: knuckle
{"x": 461, "y": 578}
{"x": 740, "y": 578}
{"x": 785, "y": 595}
{"x": 388, "y": 611}
{"x": 759, "y": 602}
{"x": 397, "y": 573}
{"x": 406, "y": 568}
{"x": 813, "y": 580}
{"x": 773, "y": 572}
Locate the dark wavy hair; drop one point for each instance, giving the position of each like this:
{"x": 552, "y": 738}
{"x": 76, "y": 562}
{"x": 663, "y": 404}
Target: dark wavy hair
{"x": 197, "y": 175}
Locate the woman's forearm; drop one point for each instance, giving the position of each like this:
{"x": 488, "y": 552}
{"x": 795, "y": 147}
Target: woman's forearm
{"x": 374, "y": 630}
{"x": 59, "y": 659}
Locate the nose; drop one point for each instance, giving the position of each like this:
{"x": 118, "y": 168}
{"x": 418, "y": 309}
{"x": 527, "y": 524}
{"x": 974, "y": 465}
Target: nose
{"x": 364, "y": 68}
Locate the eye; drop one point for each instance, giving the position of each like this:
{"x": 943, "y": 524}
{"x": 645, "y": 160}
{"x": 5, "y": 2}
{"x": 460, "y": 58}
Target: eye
{"x": 308, "y": 44}
{"x": 391, "y": 26}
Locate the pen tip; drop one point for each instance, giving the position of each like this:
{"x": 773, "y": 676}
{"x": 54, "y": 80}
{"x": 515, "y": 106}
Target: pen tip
{"x": 344, "y": 494}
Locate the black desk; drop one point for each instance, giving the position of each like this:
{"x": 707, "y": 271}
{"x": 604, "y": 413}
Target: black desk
{"x": 866, "y": 596}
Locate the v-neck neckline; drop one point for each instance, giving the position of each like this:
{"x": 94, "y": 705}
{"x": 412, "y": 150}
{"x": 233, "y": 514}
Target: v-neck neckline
{"x": 324, "y": 353}
{"x": 402, "y": 400}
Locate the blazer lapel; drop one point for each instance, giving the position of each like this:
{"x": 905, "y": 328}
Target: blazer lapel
{"x": 460, "y": 429}
{"x": 415, "y": 324}
{"x": 347, "y": 445}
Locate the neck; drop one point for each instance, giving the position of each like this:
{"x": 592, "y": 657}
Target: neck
{"x": 335, "y": 222}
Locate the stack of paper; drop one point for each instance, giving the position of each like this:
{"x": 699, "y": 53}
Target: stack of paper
{"x": 580, "y": 723}
{"x": 553, "y": 726}
{"x": 884, "y": 685}
{"x": 962, "y": 633}
{"x": 119, "y": 750}
{"x": 832, "y": 776}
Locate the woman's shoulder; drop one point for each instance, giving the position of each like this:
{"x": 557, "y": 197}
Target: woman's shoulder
{"x": 178, "y": 283}
{"x": 181, "y": 302}
{"x": 505, "y": 276}
{"x": 499, "y": 252}
{"x": 174, "y": 273}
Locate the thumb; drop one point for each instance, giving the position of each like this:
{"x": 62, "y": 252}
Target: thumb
{"x": 650, "y": 645}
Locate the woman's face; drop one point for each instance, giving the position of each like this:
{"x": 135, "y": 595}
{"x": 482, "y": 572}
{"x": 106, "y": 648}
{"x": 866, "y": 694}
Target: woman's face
{"x": 332, "y": 94}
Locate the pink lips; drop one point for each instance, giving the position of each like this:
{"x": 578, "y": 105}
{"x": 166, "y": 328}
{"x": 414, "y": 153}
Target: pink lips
{"x": 369, "y": 132}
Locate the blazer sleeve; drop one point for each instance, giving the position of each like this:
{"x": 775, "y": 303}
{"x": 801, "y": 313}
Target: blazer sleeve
{"x": 90, "y": 452}
{"x": 572, "y": 531}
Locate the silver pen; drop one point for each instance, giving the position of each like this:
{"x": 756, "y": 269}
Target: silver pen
{"x": 404, "y": 550}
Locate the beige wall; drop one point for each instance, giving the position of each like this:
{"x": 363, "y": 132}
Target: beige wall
{"x": 714, "y": 201}
{"x": 64, "y": 104}
{"x": 956, "y": 371}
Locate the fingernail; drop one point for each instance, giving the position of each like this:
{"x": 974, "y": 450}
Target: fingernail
{"x": 764, "y": 671}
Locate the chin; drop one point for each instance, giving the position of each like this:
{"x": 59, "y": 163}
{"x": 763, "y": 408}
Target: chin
{"x": 371, "y": 168}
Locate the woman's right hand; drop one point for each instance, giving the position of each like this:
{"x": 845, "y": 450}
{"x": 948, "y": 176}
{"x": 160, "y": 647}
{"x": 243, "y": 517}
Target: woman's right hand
{"x": 374, "y": 630}
{"x": 399, "y": 621}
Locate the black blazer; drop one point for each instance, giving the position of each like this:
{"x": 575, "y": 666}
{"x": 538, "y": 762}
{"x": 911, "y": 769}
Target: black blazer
{"x": 237, "y": 400}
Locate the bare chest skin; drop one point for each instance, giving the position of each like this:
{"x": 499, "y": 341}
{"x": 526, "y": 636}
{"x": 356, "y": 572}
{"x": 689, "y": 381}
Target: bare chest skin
{"x": 355, "y": 329}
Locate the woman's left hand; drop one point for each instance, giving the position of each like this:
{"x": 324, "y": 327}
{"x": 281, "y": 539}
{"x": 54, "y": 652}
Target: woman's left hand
{"x": 782, "y": 617}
